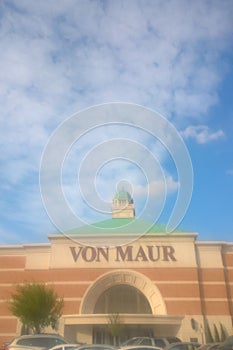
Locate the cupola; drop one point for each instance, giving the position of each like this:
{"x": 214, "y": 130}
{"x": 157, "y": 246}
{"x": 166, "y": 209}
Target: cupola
{"x": 122, "y": 205}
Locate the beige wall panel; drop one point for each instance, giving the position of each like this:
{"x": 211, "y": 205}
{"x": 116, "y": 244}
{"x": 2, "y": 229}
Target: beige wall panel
{"x": 187, "y": 332}
{"x": 166, "y": 251}
{"x": 210, "y": 255}
{"x": 38, "y": 260}
{"x": 84, "y": 334}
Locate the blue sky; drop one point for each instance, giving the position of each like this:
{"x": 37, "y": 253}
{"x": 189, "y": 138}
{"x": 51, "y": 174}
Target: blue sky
{"x": 59, "y": 58}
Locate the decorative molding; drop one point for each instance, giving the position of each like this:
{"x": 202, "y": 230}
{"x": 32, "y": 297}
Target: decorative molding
{"x": 132, "y": 278}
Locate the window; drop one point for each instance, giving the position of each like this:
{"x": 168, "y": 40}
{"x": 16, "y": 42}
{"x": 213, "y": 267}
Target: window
{"x": 146, "y": 341}
{"x": 40, "y": 342}
{"x": 122, "y": 299}
{"x": 160, "y": 343}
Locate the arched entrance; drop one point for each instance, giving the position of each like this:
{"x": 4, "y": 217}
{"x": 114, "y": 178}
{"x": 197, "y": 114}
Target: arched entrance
{"x": 122, "y": 299}
{"x": 130, "y": 296}
{"x": 116, "y": 301}
{"x": 128, "y": 278}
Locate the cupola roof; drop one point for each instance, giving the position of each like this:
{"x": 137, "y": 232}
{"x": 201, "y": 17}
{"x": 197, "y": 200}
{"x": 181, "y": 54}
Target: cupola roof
{"x": 123, "y": 195}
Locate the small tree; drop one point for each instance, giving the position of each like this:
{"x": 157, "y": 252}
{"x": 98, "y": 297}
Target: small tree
{"x": 36, "y": 305}
{"x": 115, "y": 326}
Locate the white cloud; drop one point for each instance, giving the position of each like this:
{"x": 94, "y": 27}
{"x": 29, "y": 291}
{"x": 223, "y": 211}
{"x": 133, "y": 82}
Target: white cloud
{"x": 202, "y": 134}
{"x": 154, "y": 53}
{"x": 157, "y": 187}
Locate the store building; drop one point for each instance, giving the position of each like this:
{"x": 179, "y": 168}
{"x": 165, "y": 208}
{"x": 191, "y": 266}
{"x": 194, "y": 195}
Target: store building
{"x": 158, "y": 284}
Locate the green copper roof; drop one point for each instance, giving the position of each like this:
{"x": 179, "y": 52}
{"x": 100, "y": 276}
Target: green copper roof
{"x": 128, "y": 225}
{"x": 122, "y": 194}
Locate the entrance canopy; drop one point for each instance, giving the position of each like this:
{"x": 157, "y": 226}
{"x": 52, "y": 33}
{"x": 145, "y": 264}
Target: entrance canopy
{"x": 93, "y": 319}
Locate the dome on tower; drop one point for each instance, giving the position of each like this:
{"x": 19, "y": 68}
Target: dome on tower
{"x": 122, "y": 205}
{"x": 123, "y": 195}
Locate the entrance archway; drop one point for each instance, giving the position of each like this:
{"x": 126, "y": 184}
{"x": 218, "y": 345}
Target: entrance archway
{"x": 124, "y": 277}
{"x": 127, "y": 293}
{"x": 147, "y": 319}
{"x": 122, "y": 299}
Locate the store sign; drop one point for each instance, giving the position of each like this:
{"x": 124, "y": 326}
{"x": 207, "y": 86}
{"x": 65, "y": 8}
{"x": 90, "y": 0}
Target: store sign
{"x": 124, "y": 253}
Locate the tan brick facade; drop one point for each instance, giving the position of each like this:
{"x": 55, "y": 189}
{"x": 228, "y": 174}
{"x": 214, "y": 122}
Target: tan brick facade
{"x": 180, "y": 278}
